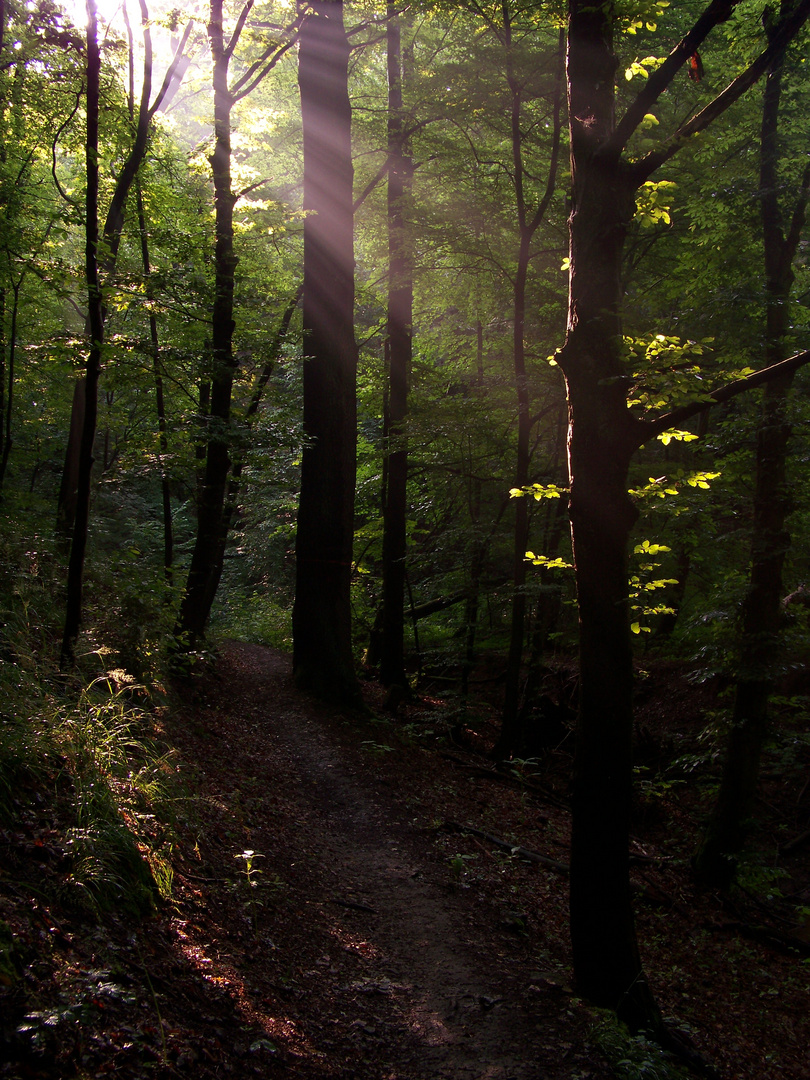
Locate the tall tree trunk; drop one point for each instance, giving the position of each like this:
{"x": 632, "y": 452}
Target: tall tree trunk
{"x": 717, "y": 857}
{"x": 602, "y": 438}
{"x": 96, "y": 312}
{"x": 238, "y": 457}
{"x": 399, "y": 350}
{"x": 2, "y": 352}
{"x": 96, "y": 332}
{"x": 7, "y": 374}
{"x": 479, "y": 545}
{"x": 527, "y": 227}
{"x": 322, "y": 643}
{"x": 66, "y": 502}
{"x": 160, "y": 406}
{"x": 213, "y": 519}
{"x": 607, "y": 965}
{"x": 12, "y": 124}
{"x": 196, "y": 603}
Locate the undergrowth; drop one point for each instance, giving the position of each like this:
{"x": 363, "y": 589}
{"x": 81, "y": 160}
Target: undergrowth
{"x": 633, "y": 1057}
{"x": 85, "y": 770}
{"x": 84, "y": 780}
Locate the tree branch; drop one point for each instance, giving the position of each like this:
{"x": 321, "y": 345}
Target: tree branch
{"x": 797, "y": 220}
{"x": 171, "y": 71}
{"x": 551, "y": 181}
{"x": 237, "y": 32}
{"x": 787, "y": 30}
{"x": 648, "y": 429}
{"x": 240, "y": 90}
{"x": 717, "y": 12}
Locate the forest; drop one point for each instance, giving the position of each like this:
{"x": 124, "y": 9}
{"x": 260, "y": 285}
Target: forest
{"x": 446, "y": 364}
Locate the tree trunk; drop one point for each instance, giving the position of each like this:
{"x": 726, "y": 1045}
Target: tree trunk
{"x": 195, "y": 606}
{"x": 607, "y": 966}
{"x": 6, "y": 405}
{"x": 510, "y": 733}
{"x": 717, "y": 857}
{"x": 96, "y": 313}
{"x": 602, "y": 438}
{"x": 479, "y": 547}
{"x": 527, "y": 227}
{"x": 238, "y": 457}
{"x": 322, "y": 644}
{"x": 399, "y": 348}
{"x": 93, "y": 364}
{"x": 160, "y": 407}
{"x": 66, "y": 503}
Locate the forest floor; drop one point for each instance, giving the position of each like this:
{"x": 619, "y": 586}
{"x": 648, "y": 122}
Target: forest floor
{"x": 330, "y": 918}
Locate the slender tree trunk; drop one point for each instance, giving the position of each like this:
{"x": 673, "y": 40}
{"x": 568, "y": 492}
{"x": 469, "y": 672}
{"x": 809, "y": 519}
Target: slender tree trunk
{"x": 322, "y": 643}
{"x": 200, "y": 442}
{"x": 93, "y": 365}
{"x": 213, "y": 517}
{"x": 717, "y": 857}
{"x": 546, "y": 615}
{"x": 115, "y": 220}
{"x": 238, "y": 457}
{"x": 160, "y": 405}
{"x": 509, "y": 736}
{"x": 96, "y": 313}
{"x": 479, "y": 546}
{"x": 399, "y": 348}
{"x": 527, "y": 227}
{"x": 5, "y": 420}
{"x": 3, "y": 345}
{"x": 66, "y": 503}
{"x": 12, "y": 122}
{"x": 196, "y": 603}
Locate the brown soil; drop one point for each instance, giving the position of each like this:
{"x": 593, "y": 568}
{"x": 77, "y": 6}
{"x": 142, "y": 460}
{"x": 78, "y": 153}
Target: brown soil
{"x": 365, "y": 937}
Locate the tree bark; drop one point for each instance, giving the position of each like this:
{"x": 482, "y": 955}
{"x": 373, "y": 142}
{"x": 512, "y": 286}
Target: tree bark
{"x": 527, "y": 227}
{"x": 716, "y": 860}
{"x": 399, "y": 350}
{"x": 66, "y": 503}
{"x": 607, "y": 965}
{"x": 93, "y": 365}
{"x": 160, "y": 406}
{"x": 603, "y": 436}
{"x": 323, "y": 662}
{"x": 197, "y": 598}
{"x": 7, "y": 374}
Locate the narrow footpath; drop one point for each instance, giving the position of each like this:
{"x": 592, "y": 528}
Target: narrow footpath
{"x": 325, "y": 901}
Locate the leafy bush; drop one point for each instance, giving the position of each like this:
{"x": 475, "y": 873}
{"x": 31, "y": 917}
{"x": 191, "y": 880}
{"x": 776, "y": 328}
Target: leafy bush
{"x": 633, "y": 1057}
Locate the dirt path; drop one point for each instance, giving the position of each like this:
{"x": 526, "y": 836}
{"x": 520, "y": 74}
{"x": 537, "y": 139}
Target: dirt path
{"x": 356, "y": 953}
{"x": 323, "y": 923}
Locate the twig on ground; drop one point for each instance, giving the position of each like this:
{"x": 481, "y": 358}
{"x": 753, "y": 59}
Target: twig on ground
{"x": 513, "y": 849}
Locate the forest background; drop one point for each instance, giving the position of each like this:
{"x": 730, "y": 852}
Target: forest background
{"x": 459, "y": 566}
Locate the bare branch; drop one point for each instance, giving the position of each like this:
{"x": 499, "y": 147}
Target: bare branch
{"x": 171, "y": 72}
{"x": 237, "y": 32}
{"x": 551, "y": 182}
{"x": 381, "y": 173}
{"x": 240, "y": 90}
{"x": 55, "y": 143}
